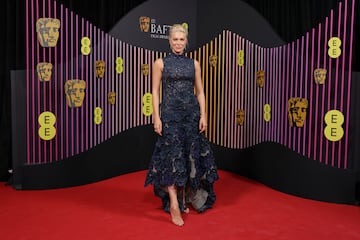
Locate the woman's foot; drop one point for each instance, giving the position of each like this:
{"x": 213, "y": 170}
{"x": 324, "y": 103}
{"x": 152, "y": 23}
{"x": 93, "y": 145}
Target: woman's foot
{"x": 176, "y": 216}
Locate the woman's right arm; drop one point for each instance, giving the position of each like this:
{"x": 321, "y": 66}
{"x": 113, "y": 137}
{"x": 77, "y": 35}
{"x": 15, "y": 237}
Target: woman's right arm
{"x": 156, "y": 81}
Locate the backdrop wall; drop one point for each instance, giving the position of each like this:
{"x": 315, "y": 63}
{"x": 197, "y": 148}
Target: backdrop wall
{"x": 267, "y": 150}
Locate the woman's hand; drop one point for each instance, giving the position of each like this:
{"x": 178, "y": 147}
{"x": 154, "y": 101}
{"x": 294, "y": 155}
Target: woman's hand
{"x": 158, "y": 126}
{"x": 202, "y": 124}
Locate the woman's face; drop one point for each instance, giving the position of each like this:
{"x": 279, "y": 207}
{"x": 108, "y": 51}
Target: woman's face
{"x": 178, "y": 42}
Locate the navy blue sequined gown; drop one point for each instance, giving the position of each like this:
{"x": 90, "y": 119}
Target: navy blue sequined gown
{"x": 182, "y": 155}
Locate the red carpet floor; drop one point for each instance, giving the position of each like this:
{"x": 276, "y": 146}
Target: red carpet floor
{"x": 121, "y": 208}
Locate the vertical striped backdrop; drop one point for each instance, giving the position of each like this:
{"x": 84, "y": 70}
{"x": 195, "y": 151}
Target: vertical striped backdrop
{"x": 228, "y": 87}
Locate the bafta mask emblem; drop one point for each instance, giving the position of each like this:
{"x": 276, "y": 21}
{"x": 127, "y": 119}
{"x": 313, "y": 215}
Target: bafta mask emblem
{"x": 75, "y": 92}
{"x": 260, "y": 78}
{"x": 297, "y": 108}
{"x": 48, "y": 31}
{"x": 44, "y": 71}
{"x": 100, "y": 68}
{"x": 112, "y": 98}
{"x": 144, "y": 23}
{"x": 320, "y": 75}
{"x": 145, "y": 69}
{"x": 213, "y": 60}
{"x": 240, "y": 117}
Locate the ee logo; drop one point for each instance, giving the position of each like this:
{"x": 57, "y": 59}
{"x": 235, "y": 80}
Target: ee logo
{"x": 147, "y": 104}
{"x": 240, "y": 58}
{"x": 85, "y": 46}
{"x": 267, "y": 112}
{"x": 98, "y": 115}
{"x": 47, "y": 131}
{"x": 334, "y": 44}
{"x": 333, "y": 130}
{"x": 119, "y": 65}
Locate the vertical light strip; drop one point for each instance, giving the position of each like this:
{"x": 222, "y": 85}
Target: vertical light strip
{"x": 251, "y": 90}
{"x": 330, "y": 85}
{"x": 27, "y": 56}
{"x": 297, "y": 94}
{"x": 217, "y": 111}
{"x": 116, "y": 89}
{"x": 51, "y": 143}
{"x": 261, "y": 95}
{"x": 301, "y": 93}
{"x": 237, "y": 91}
{"x": 128, "y": 88}
{"x": 90, "y": 84}
{"x": 291, "y": 75}
{"x": 102, "y": 85}
{"x": 337, "y": 85}
{"x": 242, "y": 87}
{"x": 78, "y": 133}
{"x": 323, "y": 92}
{"x": 317, "y": 97}
{"x": 288, "y": 128}
{"x": 215, "y": 92}
{"x": 226, "y": 89}
{"x": 347, "y": 117}
{"x": 135, "y": 79}
{"x": 306, "y": 74}
{"x": 37, "y": 90}
{"x": 247, "y": 65}
{"x": 271, "y": 90}
{"x": 344, "y": 45}
{"x": 278, "y": 98}
{"x": 311, "y": 95}
{"x": 71, "y": 135}
{"x": 223, "y": 96}
{"x": 282, "y": 99}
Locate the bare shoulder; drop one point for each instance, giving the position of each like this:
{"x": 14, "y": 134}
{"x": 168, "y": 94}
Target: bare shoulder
{"x": 159, "y": 62}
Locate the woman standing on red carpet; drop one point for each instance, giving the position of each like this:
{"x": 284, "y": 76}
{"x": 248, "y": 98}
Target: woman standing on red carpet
{"x": 182, "y": 168}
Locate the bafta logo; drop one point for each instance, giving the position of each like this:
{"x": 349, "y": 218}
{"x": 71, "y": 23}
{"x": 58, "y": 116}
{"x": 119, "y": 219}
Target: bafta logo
{"x": 144, "y": 23}
{"x": 44, "y": 71}
{"x": 297, "y": 108}
{"x": 213, "y": 60}
{"x": 100, "y": 68}
{"x": 320, "y": 75}
{"x": 48, "y": 31}
{"x": 240, "y": 117}
{"x": 112, "y": 98}
{"x": 145, "y": 69}
{"x": 75, "y": 92}
{"x": 260, "y": 78}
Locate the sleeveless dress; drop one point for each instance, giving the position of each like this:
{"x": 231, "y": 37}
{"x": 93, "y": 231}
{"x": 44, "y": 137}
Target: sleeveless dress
{"x": 182, "y": 155}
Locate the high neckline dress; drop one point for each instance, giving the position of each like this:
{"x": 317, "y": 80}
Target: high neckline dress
{"x": 182, "y": 155}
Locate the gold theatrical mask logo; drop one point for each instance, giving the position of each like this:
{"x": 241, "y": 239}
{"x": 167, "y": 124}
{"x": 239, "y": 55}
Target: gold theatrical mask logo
{"x": 145, "y": 69}
{"x": 75, "y": 92}
{"x": 112, "y": 97}
{"x": 100, "y": 68}
{"x": 213, "y": 60}
{"x": 260, "y": 78}
{"x": 297, "y": 108}
{"x": 144, "y": 23}
{"x": 48, "y": 31}
{"x": 240, "y": 117}
{"x": 320, "y": 75}
{"x": 44, "y": 71}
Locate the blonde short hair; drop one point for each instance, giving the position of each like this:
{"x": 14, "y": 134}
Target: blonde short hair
{"x": 178, "y": 28}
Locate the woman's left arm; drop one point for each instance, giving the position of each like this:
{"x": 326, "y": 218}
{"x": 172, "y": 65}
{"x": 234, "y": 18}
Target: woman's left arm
{"x": 199, "y": 90}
